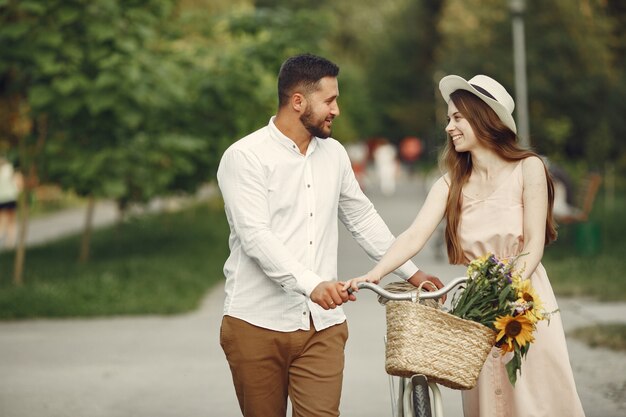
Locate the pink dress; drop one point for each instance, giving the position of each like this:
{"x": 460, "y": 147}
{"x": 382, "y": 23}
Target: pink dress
{"x": 546, "y": 385}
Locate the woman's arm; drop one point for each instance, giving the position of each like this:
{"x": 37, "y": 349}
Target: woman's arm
{"x": 413, "y": 239}
{"x": 535, "y": 200}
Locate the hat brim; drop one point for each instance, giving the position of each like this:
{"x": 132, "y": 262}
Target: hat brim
{"x": 450, "y": 83}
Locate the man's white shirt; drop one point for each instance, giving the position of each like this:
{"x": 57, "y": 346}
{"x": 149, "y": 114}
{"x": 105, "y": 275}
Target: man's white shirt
{"x": 282, "y": 208}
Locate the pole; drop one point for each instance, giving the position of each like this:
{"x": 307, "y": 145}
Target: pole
{"x": 519, "y": 61}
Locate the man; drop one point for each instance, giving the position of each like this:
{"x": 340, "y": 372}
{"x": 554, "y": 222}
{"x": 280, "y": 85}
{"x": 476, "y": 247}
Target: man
{"x": 284, "y": 187}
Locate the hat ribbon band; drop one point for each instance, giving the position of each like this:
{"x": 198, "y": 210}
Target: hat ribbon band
{"x": 483, "y": 91}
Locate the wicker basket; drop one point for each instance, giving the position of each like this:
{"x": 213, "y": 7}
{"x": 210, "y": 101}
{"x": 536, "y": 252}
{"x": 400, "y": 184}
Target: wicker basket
{"x": 425, "y": 340}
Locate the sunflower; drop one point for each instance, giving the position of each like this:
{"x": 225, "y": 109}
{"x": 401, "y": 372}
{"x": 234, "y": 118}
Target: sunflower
{"x": 528, "y": 297}
{"x": 518, "y": 329}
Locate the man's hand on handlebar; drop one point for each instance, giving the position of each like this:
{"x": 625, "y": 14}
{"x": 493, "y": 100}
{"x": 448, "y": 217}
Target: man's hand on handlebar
{"x": 330, "y": 294}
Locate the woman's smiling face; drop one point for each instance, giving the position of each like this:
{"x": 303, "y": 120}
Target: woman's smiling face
{"x": 459, "y": 129}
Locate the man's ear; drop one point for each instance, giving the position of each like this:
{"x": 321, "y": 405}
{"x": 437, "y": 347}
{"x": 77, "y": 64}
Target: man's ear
{"x": 298, "y": 102}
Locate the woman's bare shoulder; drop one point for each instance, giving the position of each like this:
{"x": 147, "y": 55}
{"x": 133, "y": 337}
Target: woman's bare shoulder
{"x": 533, "y": 167}
{"x": 532, "y": 163}
{"x": 442, "y": 181}
{"x": 441, "y": 185}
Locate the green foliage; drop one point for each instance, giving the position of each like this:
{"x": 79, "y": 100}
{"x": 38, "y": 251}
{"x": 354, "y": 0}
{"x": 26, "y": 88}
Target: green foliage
{"x": 611, "y": 336}
{"x": 136, "y": 172}
{"x": 109, "y": 73}
{"x": 109, "y": 84}
{"x": 157, "y": 264}
{"x": 573, "y": 74}
{"x": 234, "y": 88}
{"x": 576, "y": 273}
{"x": 397, "y": 68}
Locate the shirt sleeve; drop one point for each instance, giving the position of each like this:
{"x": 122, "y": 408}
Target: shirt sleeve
{"x": 362, "y": 220}
{"x": 241, "y": 181}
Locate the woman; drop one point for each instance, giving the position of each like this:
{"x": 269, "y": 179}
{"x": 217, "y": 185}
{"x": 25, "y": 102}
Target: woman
{"x": 496, "y": 197}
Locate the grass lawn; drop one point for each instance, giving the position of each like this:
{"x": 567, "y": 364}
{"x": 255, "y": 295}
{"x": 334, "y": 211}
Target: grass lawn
{"x": 156, "y": 264}
{"x": 612, "y": 336}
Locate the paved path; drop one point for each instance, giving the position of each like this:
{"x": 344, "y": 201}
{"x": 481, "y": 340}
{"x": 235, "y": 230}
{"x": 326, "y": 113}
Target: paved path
{"x": 174, "y": 366}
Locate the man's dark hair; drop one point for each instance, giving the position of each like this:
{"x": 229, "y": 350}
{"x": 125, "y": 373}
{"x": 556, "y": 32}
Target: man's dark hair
{"x": 302, "y": 72}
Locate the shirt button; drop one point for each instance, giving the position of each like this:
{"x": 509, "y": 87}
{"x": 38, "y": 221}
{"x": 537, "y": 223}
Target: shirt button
{"x": 304, "y": 313}
{"x": 498, "y": 391}
{"x": 495, "y": 354}
{"x": 311, "y": 214}
{"x": 308, "y": 186}
{"x": 311, "y": 242}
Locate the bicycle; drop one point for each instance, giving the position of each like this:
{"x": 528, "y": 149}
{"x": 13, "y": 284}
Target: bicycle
{"x": 413, "y": 396}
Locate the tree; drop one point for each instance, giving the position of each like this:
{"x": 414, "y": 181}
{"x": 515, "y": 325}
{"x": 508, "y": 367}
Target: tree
{"x": 233, "y": 71}
{"x": 571, "y": 67}
{"x": 401, "y": 70}
{"x": 100, "y": 84}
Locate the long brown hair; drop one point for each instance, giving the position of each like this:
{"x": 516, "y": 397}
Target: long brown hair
{"x": 492, "y": 133}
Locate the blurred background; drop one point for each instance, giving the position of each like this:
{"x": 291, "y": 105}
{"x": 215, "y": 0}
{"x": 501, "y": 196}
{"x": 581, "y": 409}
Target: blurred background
{"x": 114, "y": 115}
{"x": 127, "y": 106}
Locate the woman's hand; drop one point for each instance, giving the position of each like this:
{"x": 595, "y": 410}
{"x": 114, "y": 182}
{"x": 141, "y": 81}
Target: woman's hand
{"x": 354, "y": 282}
{"x": 421, "y": 277}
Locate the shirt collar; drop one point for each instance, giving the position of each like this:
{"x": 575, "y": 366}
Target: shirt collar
{"x": 288, "y": 143}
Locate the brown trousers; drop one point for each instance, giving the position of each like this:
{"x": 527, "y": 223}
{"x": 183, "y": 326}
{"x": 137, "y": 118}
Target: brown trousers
{"x": 268, "y": 366}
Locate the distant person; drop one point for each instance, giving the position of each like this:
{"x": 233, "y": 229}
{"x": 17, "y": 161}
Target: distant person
{"x": 10, "y": 185}
{"x": 411, "y": 149}
{"x": 357, "y": 152}
{"x": 386, "y": 166}
{"x": 496, "y": 197}
{"x": 564, "y": 206}
{"x": 285, "y": 186}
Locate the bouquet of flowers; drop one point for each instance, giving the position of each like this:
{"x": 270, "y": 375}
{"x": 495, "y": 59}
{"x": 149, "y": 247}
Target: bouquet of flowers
{"x": 496, "y": 296}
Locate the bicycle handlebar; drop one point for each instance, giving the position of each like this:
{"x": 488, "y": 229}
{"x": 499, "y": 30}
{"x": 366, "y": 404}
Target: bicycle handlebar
{"x": 412, "y": 295}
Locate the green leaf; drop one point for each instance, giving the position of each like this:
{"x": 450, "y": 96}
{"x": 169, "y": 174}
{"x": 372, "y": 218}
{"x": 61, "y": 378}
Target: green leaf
{"x": 132, "y": 119}
{"x": 49, "y": 63}
{"x": 66, "y": 85}
{"x": 512, "y": 367}
{"x": 40, "y": 95}
{"x": 34, "y": 7}
{"x": 14, "y": 30}
{"x": 105, "y": 80}
{"x": 504, "y": 294}
{"x": 98, "y": 103}
{"x": 102, "y": 31}
{"x": 67, "y": 15}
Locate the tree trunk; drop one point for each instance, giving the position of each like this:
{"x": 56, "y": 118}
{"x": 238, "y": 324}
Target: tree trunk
{"x": 23, "y": 206}
{"x": 85, "y": 242}
{"x": 20, "y": 248}
{"x": 31, "y": 178}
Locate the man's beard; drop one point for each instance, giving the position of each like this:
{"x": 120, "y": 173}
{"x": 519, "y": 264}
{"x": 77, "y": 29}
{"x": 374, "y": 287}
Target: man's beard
{"x": 315, "y": 130}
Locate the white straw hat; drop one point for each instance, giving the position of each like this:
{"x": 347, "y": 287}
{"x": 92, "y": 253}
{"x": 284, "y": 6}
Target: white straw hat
{"x": 488, "y": 90}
